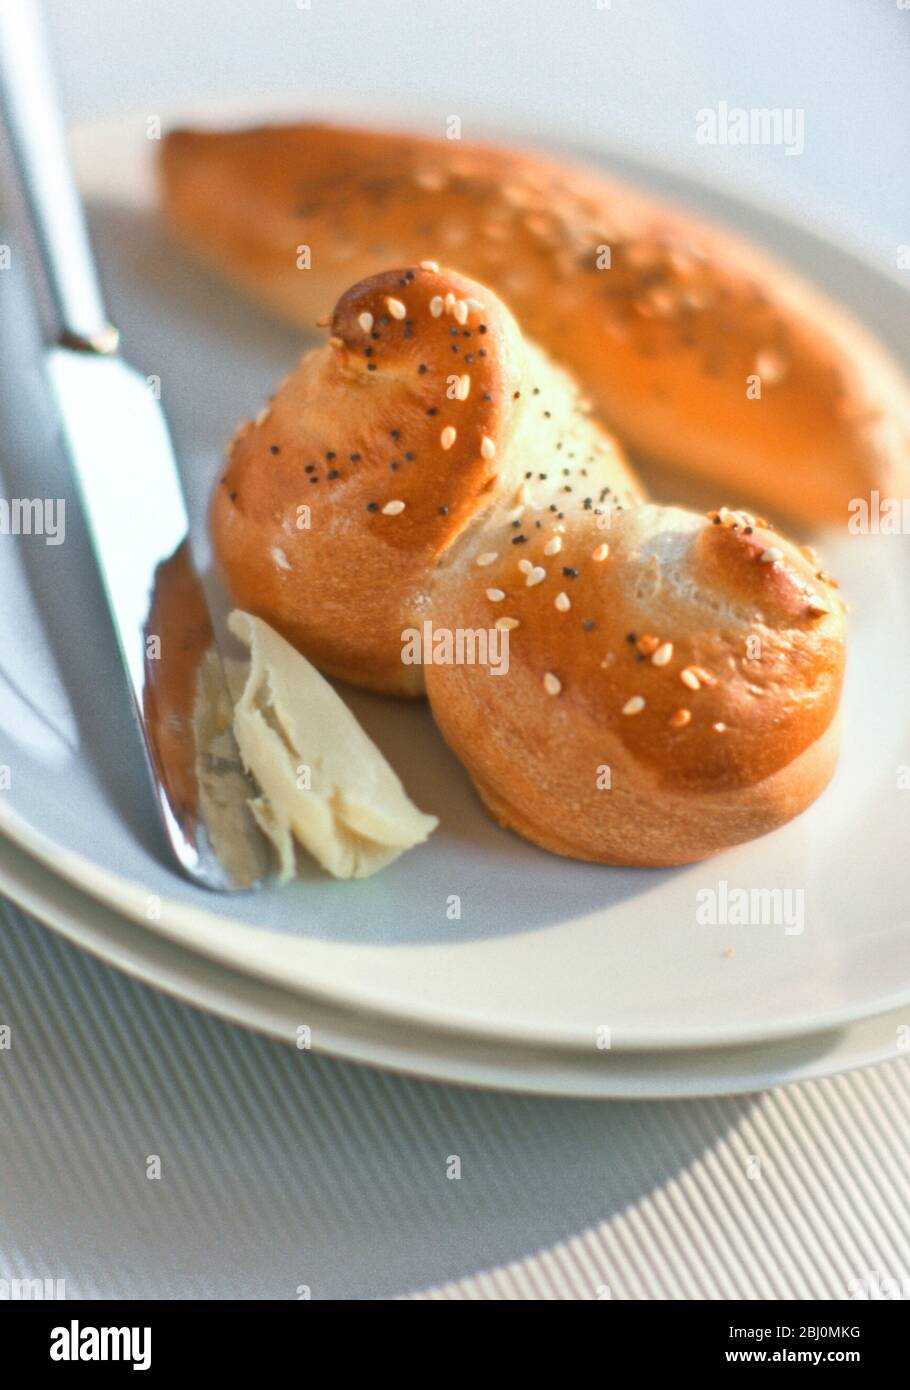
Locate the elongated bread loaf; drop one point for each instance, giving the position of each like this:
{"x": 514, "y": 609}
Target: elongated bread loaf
{"x": 698, "y": 350}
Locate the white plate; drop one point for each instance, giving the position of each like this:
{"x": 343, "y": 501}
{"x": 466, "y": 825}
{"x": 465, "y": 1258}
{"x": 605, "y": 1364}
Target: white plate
{"x": 547, "y": 951}
{"x": 360, "y": 1037}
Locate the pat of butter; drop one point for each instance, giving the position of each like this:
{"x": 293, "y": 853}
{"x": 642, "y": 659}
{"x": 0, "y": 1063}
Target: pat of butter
{"x": 323, "y": 783}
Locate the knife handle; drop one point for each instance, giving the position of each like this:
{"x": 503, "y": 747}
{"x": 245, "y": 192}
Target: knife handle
{"x": 37, "y": 144}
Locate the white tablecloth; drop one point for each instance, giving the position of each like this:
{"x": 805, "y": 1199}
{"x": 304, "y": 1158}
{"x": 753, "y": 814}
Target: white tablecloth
{"x": 281, "y": 1169}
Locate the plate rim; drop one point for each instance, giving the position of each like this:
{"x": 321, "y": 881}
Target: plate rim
{"x": 49, "y": 899}
{"x": 206, "y": 933}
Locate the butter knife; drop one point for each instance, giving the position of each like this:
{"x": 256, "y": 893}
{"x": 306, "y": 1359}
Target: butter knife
{"x": 121, "y": 455}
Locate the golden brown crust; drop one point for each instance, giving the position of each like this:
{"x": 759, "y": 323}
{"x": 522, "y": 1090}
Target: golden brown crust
{"x": 669, "y": 339}
{"x": 647, "y": 828}
{"x": 373, "y": 457}
{"x": 693, "y": 662}
{"x": 661, "y": 703}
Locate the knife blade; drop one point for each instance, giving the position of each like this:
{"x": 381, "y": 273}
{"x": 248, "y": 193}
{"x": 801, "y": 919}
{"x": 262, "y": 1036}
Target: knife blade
{"x": 126, "y": 473}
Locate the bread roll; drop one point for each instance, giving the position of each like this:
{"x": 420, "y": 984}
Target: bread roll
{"x": 670, "y": 325}
{"x": 370, "y": 462}
{"x": 673, "y": 679}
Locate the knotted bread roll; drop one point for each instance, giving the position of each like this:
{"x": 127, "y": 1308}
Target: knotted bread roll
{"x": 673, "y": 679}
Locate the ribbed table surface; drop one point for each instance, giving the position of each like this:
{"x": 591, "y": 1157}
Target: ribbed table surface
{"x": 284, "y": 1174}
